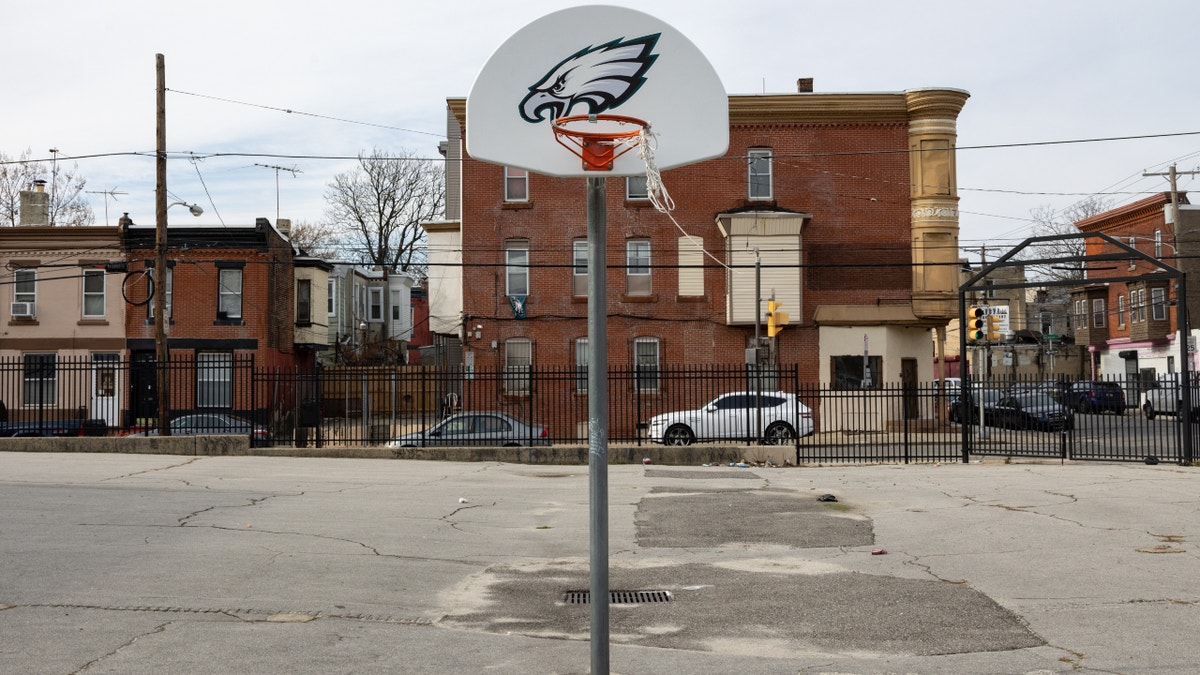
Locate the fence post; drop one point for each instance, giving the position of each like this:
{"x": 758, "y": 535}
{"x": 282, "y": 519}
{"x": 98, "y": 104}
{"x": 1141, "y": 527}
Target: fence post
{"x": 320, "y": 405}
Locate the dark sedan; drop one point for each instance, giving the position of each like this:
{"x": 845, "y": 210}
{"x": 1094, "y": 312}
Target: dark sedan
{"x": 1030, "y": 411}
{"x": 989, "y": 398}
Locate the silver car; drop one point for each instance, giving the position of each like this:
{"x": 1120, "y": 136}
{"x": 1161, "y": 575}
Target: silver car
{"x": 206, "y": 424}
{"x": 735, "y": 416}
{"x": 476, "y": 428}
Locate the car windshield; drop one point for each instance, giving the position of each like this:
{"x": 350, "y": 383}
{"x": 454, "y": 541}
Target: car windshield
{"x": 1035, "y": 400}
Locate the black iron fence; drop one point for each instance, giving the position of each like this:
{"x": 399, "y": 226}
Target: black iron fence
{"x": 1119, "y": 419}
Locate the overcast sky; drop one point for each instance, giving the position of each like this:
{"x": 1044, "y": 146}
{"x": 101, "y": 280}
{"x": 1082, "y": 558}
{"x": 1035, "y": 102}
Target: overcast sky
{"x": 81, "y": 79}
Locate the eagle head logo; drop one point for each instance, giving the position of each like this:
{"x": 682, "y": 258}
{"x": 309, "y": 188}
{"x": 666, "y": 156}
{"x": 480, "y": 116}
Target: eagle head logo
{"x": 600, "y": 78}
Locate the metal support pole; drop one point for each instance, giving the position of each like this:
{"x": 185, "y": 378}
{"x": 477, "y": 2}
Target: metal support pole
{"x": 597, "y": 223}
{"x": 757, "y": 345}
{"x": 161, "y": 353}
{"x": 1185, "y": 361}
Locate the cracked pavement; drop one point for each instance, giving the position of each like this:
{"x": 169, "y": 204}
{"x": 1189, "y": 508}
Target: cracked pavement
{"x": 143, "y": 563}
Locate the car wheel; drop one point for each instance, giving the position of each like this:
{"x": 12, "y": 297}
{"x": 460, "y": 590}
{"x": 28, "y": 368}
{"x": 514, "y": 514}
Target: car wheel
{"x": 679, "y": 434}
{"x": 1148, "y": 410}
{"x": 779, "y": 433}
{"x": 1082, "y": 407}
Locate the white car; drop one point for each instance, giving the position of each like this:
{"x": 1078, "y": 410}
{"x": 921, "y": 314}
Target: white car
{"x": 736, "y": 416}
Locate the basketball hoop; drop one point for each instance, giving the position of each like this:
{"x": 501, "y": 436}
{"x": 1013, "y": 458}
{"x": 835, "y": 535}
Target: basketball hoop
{"x": 595, "y": 138}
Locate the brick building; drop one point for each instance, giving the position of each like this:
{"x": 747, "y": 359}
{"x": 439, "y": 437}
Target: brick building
{"x": 849, "y": 199}
{"x": 230, "y": 296}
{"x": 1131, "y": 328}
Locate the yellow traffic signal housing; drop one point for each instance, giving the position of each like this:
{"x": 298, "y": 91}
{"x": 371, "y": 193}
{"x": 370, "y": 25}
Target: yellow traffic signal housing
{"x": 776, "y": 319}
{"x": 993, "y": 328}
{"x": 976, "y": 324}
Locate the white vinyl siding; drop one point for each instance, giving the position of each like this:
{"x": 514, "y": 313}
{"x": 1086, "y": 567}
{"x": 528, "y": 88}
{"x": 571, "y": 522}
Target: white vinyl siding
{"x": 781, "y": 275}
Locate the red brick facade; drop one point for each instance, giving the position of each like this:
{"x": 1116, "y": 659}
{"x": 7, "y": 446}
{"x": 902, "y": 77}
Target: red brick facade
{"x": 851, "y": 176}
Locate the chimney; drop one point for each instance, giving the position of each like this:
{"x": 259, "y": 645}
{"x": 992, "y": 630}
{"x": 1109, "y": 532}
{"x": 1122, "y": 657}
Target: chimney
{"x": 35, "y": 205}
{"x": 125, "y": 222}
{"x": 804, "y": 85}
{"x": 284, "y": 225}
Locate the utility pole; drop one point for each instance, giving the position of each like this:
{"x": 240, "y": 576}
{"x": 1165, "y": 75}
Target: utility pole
{"x": 1181, "y": 313}
{"x": 161, "y": 353}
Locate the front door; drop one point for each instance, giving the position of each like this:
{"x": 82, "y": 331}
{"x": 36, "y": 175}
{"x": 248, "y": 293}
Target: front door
{"x": 143, "y": 390}
{"x": 105, "y": 385}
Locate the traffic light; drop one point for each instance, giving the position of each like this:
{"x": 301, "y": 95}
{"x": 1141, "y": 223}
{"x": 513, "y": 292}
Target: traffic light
{"x": 976, "y": 324}
{"x": 993, "y": 328}
{"x": 776, "y": 319}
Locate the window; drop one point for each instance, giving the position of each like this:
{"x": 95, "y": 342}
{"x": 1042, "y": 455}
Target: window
{"x": 1132, "y": 244}
{"x": 1137, "y": 301}
{"x": 691, "y": 266}
{"x": 1047, "y": 320}
{"x": 516, "y": 185}
{"x": 635, "y": 188}
{"x": 579, "y": 273}
{"x": 25, "y": 288}
{"x": 1158, "y": 304}
{"x": 395, "y": 305}
{"x": 169, "y": 291}
{"x": 518, "y": 359}
{"x": 331, "y": 306}
{"x": 214, "y": 379}
{"x": 637, "y": 267}
{"x": 41, "y": 379}
{"x": 645, "y": 363}
{"x": 229, "y": 294}
{"x": 516, "y": 261}
{"x": 376, "y": 309}
{"x": 1098, "y": 313}
{"x": 1121, "y": 309}
{"x": 759, "y": 173}
{"x": 857, "y": 372}
{"x": 93, "y": 293}
{"x": 360, "y": 300}
{"x": 304, "y": 302}
{"x": 581, "y": 365}
{"x": 1158, "y": 243}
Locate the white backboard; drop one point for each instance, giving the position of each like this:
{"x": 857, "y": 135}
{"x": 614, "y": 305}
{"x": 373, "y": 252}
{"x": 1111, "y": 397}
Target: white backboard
{"x": 596, "y": 59}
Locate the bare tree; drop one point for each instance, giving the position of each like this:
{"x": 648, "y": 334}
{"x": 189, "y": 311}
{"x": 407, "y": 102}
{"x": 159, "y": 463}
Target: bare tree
{"x": 319, "y": 239}
{"x": 381, "y": 203}
{"x": 68, "y": 205}
{"x": 1050, "y": 222}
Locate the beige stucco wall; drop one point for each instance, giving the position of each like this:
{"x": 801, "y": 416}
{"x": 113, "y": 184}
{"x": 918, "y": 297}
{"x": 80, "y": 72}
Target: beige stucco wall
{"x": 872, "y": 410}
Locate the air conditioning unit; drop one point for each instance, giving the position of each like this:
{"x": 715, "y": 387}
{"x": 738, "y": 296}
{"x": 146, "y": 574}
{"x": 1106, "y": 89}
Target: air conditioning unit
{"x": 24, "y": 309}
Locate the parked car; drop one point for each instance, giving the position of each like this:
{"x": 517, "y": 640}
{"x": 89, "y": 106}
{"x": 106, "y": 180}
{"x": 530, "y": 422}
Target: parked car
{"x": 988, "y": 396}
{"x": 1095, "y": 396}
{"x": 476, "y": 428}
{"x": 207, "y": 424}
{"x": 1030, "y": 411}
{"x": 734, "y": 416}
{"x": 1165, "y": 397}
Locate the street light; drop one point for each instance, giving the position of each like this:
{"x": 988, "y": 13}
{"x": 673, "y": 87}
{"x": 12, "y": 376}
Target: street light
{"x": 194, "y": 208}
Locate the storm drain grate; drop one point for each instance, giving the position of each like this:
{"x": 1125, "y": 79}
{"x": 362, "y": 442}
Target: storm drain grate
{"x": 618, "y": 597}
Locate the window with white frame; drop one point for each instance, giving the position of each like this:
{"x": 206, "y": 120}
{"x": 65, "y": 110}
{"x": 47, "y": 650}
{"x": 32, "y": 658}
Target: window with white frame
{"x": 93, "y": 294}
{"x": 516, "y": 184}
{"x": 395, "y": 305}
{"x": 516, "y": 268}
{"x": 581, "y": 365}
{"x": 169, "y": 290}
{"x": 579, "y": 268}
{"x": 214, "y": 379}
{"x": 1158, "y": 243}
{"x": 758, "y": 173}
{"x": 518, "y": 360}
{"x": 637, "y": 267}
{"x": 635, "y": 188}
{"x": 330, "y": 301}
{"x": 25, "y": 285}
{"x": 229, "y": 293}
{"x": 1158, "y": 304}
{"x": 1121, "y": 309}
{"x": 1137, "y": 305}
{"x": 40, "y": 379}
{"x": 375, "y": 296}
{"x": 646, "y": 363}
{"x": 1098, "y": 314}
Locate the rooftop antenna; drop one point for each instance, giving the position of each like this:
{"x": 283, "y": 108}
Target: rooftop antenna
{"x": 53, "y": 182}
{"x": 107, "y": 193}
{"x": 292, "y": 170}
